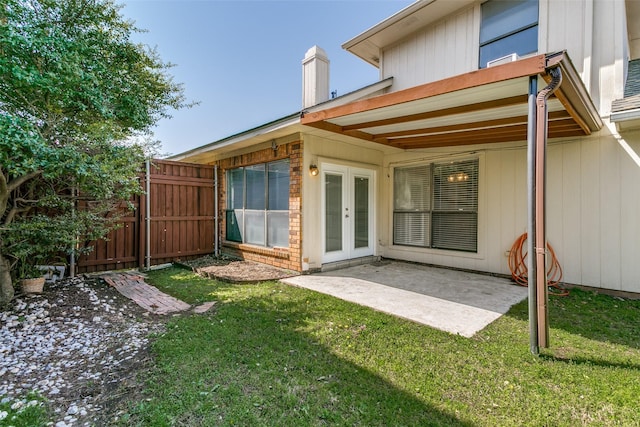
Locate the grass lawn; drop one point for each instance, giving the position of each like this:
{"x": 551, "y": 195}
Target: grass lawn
{"x": 275, "y": 355}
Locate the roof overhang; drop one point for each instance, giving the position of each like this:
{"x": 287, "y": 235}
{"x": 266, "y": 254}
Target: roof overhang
{"x": 626, "y": 120}
{"x": 625, "y": 113}
{"x": 484, "y": 106}
{"x": 275, "y": 129}
{"x": 420, "y": 14}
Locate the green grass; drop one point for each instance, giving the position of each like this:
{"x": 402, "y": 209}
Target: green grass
{"x": 27, "y": 412}
{"x": 275, "y": 355}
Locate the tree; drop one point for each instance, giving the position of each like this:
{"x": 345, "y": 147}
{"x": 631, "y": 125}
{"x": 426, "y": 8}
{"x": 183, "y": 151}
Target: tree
{"x": 74, "y": 88}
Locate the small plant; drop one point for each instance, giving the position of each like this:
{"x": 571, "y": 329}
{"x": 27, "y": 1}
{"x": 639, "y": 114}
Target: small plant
{"x": 29, "y": 271}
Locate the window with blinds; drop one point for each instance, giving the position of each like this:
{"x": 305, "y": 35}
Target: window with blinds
{"x": 436, "y": 206}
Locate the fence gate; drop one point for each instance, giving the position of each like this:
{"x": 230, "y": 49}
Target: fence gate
{"x": 181, "y": 202}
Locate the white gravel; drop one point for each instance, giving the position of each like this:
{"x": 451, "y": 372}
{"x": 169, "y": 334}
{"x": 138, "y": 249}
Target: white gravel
{"x": 72, "y": 345}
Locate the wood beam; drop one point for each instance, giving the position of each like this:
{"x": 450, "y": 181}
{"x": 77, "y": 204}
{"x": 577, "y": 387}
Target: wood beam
{"x": 461, "y": 109}
{"x": 506, "y": 121}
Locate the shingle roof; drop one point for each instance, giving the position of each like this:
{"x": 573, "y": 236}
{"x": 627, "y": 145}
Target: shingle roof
{"x": 632, "y": 86}
{"x": 631, "y": 100}
{"x": 630, "y": 103}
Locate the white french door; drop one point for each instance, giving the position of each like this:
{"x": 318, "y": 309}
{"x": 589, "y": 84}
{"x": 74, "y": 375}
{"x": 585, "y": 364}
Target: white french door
{"x": 347, "y": 212}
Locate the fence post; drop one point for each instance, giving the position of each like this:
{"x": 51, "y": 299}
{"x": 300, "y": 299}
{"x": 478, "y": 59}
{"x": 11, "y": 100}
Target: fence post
{"x": 216, "y": 243}
{"x": 147, "y": 249}
{"x": 74, "y": 249}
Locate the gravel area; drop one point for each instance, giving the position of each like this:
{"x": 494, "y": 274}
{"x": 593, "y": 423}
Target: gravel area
{"x": 81, "y": 345}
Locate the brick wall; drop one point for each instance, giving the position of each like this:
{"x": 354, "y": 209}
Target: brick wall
{"x": 289, "y": 258}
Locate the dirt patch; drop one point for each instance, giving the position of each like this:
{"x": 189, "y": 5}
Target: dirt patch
{"x": 231, "y": 270}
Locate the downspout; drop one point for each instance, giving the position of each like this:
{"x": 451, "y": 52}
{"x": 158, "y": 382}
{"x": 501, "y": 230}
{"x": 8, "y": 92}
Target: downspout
{"x": 147, "y": 219}
{"x": 216, "y": 242}
{"x": 540, "y": 193}
{"x": 531, "y": 226}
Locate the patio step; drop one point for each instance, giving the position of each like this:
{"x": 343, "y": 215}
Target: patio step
{"x": 331, "y": 266}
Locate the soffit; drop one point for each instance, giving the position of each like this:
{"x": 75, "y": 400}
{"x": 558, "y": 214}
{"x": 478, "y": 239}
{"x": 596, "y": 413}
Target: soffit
{"x": 484, "y": 106}
{"x": 420, "y": 14}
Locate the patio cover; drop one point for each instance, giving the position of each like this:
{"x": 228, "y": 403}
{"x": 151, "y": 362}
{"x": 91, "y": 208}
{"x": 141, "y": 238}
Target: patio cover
{"x": 483, "y": 106}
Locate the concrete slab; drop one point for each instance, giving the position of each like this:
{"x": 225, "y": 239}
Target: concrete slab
{"x": 453, "y": 301}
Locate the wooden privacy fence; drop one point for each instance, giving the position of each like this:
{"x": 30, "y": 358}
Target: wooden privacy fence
{"x": 181, "y": 221}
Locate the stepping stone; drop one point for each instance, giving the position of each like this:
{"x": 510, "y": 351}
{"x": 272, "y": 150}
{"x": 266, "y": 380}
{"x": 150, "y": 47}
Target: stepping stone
{"x": 203, "y": 308}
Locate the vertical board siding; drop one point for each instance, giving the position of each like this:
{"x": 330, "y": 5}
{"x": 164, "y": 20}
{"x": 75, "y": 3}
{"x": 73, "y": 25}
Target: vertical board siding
{"x": 182, "y": 221}
{"x": 571, "y": 223}
{"x": 630, "y": 219}
{"x": 610, "y": 203}
{"x": 438, "y": 51}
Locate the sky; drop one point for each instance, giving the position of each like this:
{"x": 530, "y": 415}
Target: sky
{"x": 242, "y": 60}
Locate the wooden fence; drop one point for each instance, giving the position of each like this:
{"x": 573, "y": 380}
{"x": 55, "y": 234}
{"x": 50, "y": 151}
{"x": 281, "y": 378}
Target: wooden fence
{"x": 181, "y": 201}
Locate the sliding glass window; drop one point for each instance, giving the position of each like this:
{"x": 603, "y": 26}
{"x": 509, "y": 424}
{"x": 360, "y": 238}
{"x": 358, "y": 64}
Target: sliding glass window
{"x": 258, "y": 204}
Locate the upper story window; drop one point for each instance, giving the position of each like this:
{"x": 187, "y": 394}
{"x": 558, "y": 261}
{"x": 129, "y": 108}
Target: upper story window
{"x": 508, "y": 26}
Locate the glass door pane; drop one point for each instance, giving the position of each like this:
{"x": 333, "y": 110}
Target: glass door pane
{"x": 333, "y": 212}
{"x": 361, "y": 212}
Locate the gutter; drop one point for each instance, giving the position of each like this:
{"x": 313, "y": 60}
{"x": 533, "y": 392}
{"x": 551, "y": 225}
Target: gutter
{"x": 626, "y": 115}
{"x": 573, "y": 89}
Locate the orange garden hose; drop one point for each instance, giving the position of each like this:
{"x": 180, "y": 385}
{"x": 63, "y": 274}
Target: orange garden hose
{"x": 519, "y": 270}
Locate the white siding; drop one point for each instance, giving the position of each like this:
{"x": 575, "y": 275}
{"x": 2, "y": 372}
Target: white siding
{"x": 590, "y": 214}
{"x": 566, "y": 29}
{"x": 444, "y": 49}
{"x": 594, "y": 34}
{"x": 630, "y": 218}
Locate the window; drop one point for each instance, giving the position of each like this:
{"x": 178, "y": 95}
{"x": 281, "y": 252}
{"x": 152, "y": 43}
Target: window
{"x": 436, "y": 206}
{"x": 508, "y": 26}
{"x": 258, "y": 204}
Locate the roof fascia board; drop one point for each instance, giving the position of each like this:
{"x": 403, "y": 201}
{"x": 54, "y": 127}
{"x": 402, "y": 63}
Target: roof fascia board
{"x": 626, "y": 115}
{"x": 352, "y": 96}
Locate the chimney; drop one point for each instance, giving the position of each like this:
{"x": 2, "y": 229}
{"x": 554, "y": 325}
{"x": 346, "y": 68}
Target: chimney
{"x": 315, "y": 77}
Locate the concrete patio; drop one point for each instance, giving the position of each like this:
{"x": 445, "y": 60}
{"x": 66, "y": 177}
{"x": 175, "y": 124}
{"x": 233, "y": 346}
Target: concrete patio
{"x": 453, "y": 301}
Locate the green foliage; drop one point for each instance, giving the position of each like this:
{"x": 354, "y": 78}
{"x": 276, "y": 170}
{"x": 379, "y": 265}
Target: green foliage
{"x": 75, "y": 95}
